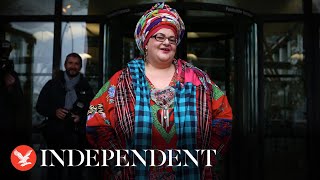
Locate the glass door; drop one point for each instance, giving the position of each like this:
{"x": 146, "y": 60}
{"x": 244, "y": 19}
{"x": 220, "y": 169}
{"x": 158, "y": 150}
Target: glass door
{"x": 285, "y": 120}
{"x": 120, "y": 46}
{"x": 242, "y": 86}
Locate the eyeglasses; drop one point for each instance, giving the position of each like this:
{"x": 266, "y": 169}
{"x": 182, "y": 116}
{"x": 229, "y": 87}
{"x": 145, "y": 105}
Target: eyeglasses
{"x": 161, "y": 38}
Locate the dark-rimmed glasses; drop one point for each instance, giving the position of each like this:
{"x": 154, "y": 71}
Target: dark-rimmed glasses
{"x": 161, "y": 38}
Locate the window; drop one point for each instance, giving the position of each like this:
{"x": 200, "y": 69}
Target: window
{"x": 284, "y": 100}
{"x": 32, "y": 57}
{"x": 27, "y": 7}
{"x": 82, "y": 38}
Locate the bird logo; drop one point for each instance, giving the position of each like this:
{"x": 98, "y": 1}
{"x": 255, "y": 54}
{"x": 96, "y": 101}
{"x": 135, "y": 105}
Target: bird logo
{"x": 23, "y": 157}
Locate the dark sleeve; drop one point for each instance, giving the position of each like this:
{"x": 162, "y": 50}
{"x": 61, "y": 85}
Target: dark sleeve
{"x": 15, "y": 93}
{"x": 85, "y": 95}
{"x": 86, "y": 98}
{"x": 16, "y": 104}
{"x": 44, "y": 101}
{"x": 90, "y": 95}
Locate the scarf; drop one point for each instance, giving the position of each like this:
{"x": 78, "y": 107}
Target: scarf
{"x": 185, "y": 121}
{"x": 71, "y": 95}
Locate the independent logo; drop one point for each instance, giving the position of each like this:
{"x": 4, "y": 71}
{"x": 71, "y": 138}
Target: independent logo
{"x": 23, "y": 158}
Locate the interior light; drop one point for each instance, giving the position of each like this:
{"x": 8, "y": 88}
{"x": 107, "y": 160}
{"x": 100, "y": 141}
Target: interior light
{"x": 297, "y": 56}
{"x": 85, "y": 56}
{"x": 192, "y": 57}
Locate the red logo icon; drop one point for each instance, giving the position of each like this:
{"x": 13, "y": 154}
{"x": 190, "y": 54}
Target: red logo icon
{"x": 23, "y": 158}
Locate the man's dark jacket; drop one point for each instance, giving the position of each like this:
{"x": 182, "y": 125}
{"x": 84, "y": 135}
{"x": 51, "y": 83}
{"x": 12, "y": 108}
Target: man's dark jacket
{"x": 52, "y": 97}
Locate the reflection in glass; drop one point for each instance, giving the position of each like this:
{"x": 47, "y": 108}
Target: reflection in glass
{"x": 284, "y": 61}
{"x": 129, "y": 51}
{"x": 261, "y": 6}
{"x": 126, "y": 3}
{"x": 99, "y": 7}
{"x": 315, "y": 6}
{"x": 285, "y": 99}
{"x": 75, "y": 7}
{"x": 208, "y": 54}
{"x": 197, "y": 13}
{"x": 224, "y": 2}
{"x": 32, "y": 56}
{"x": 27, "y": 7}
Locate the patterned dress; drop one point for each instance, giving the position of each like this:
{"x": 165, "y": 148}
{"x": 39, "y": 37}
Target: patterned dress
{"x": 191, "y": 113}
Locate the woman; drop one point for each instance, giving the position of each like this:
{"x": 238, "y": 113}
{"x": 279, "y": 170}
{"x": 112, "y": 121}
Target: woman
{"x": 160, "y": 103}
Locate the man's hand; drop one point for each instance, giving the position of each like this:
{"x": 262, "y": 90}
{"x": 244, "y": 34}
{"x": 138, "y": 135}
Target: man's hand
{"x": 76, "y": 118}
{"x": 9, "y": 80}
{"x": 61, "y": 113}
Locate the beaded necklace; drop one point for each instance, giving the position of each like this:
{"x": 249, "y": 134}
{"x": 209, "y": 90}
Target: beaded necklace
{"x": 164, "y": 99}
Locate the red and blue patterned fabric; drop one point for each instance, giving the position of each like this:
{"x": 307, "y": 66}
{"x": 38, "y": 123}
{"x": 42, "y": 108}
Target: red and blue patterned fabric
{"x": 120, "y": 117}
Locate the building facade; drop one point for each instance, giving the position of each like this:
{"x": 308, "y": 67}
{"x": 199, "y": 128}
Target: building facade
{"x": 263, "y": 54}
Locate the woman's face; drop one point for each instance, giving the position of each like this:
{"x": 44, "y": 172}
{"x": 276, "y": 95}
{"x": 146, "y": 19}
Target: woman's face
{"x": 162, "y": 51}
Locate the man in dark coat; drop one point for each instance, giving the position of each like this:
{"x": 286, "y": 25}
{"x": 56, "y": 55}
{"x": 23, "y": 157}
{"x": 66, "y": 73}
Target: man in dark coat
{"x": 12, "y": 112}
{"x": 64, "y": 100}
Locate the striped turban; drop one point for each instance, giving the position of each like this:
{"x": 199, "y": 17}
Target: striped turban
{"x": 159, "y": 16}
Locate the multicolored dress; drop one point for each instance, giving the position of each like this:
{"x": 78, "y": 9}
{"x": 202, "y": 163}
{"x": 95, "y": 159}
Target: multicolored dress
{"x": 191, "y": 113}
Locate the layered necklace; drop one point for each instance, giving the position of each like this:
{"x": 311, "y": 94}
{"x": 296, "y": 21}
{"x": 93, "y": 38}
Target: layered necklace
{"x": 164, "y": 98}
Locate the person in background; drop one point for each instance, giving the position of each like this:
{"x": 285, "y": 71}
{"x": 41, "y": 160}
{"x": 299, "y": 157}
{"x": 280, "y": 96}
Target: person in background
{"x": 64, "y": 100}
{"x": 12, "y": 111}
{"x": 160, "y": 102}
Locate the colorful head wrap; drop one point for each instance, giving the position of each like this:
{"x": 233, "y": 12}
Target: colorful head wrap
{"x": 159, "y": 16}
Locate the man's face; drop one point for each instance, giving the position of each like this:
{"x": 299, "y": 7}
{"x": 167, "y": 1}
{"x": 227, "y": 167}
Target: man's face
{"x": 72, "y": 66}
